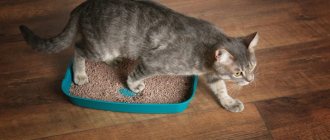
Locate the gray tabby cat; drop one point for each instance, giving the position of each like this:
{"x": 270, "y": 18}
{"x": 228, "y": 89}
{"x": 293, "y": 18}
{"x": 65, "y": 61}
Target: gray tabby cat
{"x": 163, "y": 41}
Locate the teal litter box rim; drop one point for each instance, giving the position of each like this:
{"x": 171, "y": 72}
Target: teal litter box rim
{"x": 143, "y": 108}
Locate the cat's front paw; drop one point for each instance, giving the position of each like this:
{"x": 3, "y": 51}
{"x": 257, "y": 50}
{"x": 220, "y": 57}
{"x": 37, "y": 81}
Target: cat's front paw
{"x": 80, "y": 79}
{"x": 233, "y": 105}
{"x": 136, "y": 87}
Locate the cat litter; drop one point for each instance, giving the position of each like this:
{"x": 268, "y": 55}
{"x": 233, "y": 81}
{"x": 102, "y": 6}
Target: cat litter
{"x": 106, "y": 83}
{"x": 107, "y": 90}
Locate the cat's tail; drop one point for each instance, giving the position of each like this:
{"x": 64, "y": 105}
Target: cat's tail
{"x": 55, "y": 44}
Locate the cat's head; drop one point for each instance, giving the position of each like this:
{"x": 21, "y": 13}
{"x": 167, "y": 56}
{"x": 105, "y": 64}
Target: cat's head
{"x": 235, "y": 59}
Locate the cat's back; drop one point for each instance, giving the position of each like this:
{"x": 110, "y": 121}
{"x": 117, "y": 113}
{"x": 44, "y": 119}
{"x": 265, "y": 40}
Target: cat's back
{"x": 123, "y": 14}
{"x": 128, "y": 26}
{"x": 103, "y": 7}
{"x": 123, "y": 18}
{"x": 120, "y": 25}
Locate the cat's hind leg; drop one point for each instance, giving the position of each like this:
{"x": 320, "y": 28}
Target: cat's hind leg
{"x": 79, "y": 69}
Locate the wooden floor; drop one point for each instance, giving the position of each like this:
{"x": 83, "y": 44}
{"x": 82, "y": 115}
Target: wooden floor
{"x": 289, "y": 100}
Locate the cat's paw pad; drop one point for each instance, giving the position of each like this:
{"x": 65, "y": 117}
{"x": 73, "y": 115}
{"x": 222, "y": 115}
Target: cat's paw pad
{"x": 80, "y": 79}
{"x": 137, "y": 88}
{"x": 234, "y": 105}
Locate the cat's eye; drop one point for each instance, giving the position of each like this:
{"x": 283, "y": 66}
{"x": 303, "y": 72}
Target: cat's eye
{"x": 238, "y": 74}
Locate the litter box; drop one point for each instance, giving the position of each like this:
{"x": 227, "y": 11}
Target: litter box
{"x": 143, "y": 108}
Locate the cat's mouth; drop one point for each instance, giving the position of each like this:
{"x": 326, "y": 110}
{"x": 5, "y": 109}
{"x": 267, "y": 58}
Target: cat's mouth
{"x": 243, "y": 83}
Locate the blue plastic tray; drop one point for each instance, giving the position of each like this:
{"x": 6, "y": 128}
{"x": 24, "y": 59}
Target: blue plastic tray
{"x": 125, "y": 107}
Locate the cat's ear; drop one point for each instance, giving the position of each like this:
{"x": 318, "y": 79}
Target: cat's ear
{"x": 223, "y": 56}
{"x": 251, "y": 41}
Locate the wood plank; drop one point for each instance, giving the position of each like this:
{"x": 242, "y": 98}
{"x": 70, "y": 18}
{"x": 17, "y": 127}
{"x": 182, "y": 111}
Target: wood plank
{"x": 55, "y": 118}
{"x": 19, "y": 57}
{"x": 28, "y": 77}
{"x": 20, "y": 10}
{"x": 46, "y": 17}
{"x": 298, "y": 117}
{"x": 214, "y": 124}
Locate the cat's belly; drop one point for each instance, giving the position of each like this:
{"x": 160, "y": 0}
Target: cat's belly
{"x": 110, "y": 56}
